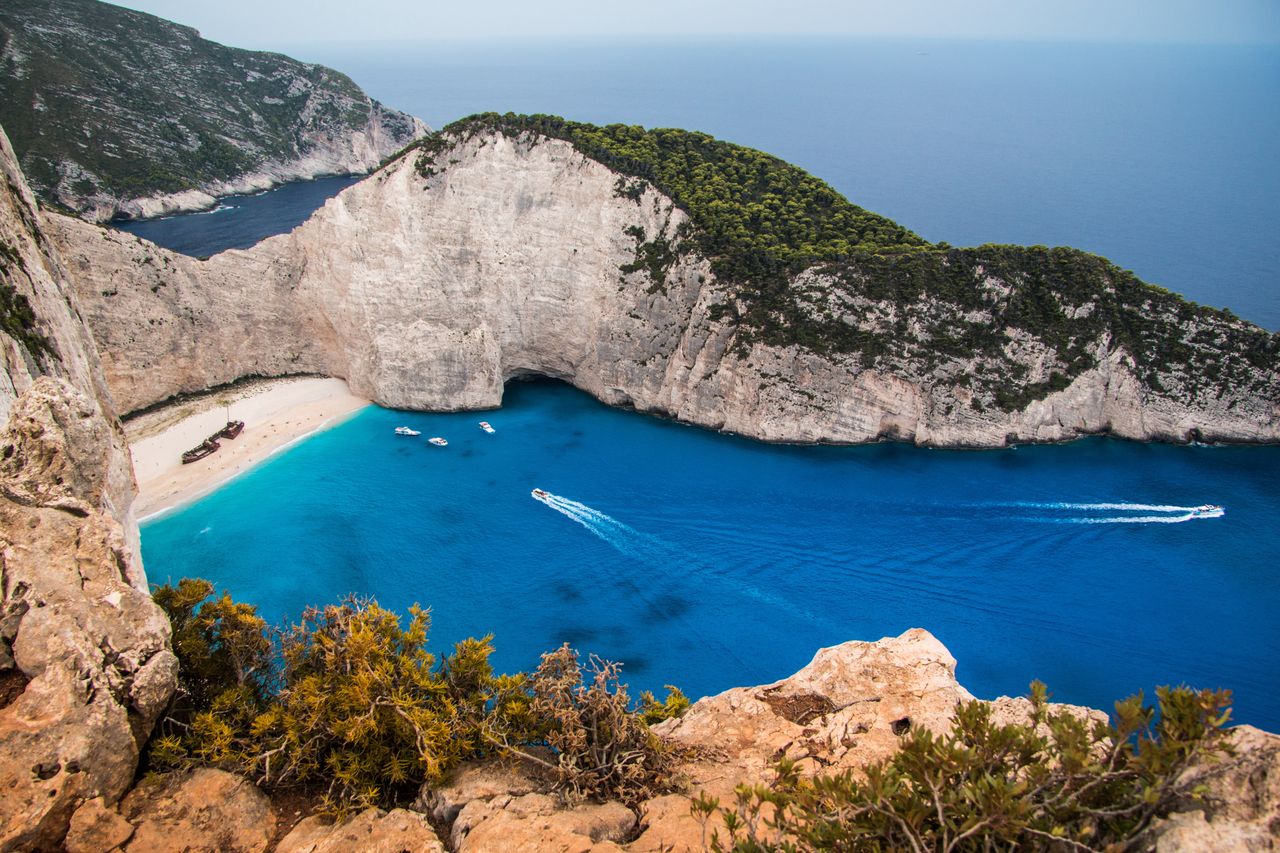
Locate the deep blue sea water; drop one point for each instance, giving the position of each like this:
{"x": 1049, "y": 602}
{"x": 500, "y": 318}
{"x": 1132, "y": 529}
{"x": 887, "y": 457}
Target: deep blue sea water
{"x": 710, "y": 561}
{"x": 240, "y": 221}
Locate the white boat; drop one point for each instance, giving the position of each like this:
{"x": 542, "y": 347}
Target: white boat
{"x": 407, "y": 431}
{"x": 484, "y": 425}
{"x": 438, "y": 441}
{"x": 1207, "y": 511}
{"x": 539, "y": 494}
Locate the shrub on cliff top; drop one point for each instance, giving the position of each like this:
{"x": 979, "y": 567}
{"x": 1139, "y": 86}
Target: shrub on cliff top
{"x": 1061, "y": 783}
{"x": 350, "y": 700}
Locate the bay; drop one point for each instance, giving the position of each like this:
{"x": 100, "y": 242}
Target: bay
{"x": 710, "y": 561}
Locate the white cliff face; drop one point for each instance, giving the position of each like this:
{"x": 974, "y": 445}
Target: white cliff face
{"x": 431, "y": 292}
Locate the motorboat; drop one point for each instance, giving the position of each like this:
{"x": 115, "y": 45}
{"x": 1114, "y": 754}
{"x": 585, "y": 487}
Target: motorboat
{"x": 438, "y": 441}
{"x": 232, "y": 429}
{"x": 1207, "y": 511}
{"x": 539, "y": 494}
{"x": 404, "y": 430}
{"x": 485, "y": 425}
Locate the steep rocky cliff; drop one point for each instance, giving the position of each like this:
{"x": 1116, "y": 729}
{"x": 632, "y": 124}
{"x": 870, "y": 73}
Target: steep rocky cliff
{"x": 499, "y": 251}
{"x": 118, "y": 113}
{"x": 85, "y": 667}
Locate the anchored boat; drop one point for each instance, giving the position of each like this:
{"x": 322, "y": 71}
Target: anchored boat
{"x": 484, "y": 425}
{"x": 438, "y": 441}
{"x": 404, "y": 430}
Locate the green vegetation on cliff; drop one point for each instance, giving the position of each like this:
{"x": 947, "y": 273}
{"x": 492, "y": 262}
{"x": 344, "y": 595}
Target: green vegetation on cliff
{"x": 98, "y": 99}
{"x": 757, "y": 216}
{"x": 802, "y": 266}
{"x": 17, "y": 319}
{"x": 1058, "y": 782}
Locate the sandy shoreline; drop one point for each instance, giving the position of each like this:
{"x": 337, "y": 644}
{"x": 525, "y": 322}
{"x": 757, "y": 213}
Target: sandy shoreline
{"x": 277, "y": 413}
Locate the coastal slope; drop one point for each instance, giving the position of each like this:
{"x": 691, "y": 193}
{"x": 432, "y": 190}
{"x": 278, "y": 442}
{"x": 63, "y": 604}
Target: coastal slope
{"x": 163, "y": 120}
{"x": 499, "y": 250}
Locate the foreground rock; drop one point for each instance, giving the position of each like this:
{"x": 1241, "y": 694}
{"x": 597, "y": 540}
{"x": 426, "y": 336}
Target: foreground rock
{"x": 84, "y": 659}
{"x": 515, "y": 254}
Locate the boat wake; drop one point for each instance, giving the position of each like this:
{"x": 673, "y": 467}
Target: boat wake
{"x": 654, "y": 552}
{"x": 1131, "y": 513}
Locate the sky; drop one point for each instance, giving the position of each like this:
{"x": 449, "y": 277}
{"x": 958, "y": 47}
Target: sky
{"x": 267, "y": 24}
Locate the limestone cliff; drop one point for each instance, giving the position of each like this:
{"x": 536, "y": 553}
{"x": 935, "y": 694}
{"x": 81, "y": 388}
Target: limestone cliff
{"x": 118, "y": 113}
{"x": 496, "y": 253}
{"x": 85, "y": 668}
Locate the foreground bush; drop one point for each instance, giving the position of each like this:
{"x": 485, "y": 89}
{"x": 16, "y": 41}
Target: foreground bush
{"x": 1061, "y": 783}
{"x": 349, "y": 700}
{"x": 602, "y": 748}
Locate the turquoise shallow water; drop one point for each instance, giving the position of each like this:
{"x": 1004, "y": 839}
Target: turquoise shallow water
{"x": 710, "y": 561}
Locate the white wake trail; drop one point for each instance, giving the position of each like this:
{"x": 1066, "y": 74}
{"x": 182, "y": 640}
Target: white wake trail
{"x": 654, "y": 552}
{"x": 1122, "y": 507}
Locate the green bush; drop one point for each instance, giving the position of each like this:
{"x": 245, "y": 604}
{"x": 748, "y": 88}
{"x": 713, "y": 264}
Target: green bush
{"x": 351, "y": 701}
{"x": 1062, "y": 782}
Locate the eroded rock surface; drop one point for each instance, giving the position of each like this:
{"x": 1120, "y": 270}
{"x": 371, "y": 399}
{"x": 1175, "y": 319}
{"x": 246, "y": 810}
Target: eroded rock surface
{"x": 371, "y": 831}
{"x": 84, "y": 651}
{"x": 206, "y": 811}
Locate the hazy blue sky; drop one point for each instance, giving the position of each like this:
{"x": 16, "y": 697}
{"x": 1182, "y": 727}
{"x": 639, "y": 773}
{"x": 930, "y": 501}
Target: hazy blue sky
{"x": 272, "y": 23}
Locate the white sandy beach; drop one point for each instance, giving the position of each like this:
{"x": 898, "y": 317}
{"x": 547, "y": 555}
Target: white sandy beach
{"x": 276, "y": 413}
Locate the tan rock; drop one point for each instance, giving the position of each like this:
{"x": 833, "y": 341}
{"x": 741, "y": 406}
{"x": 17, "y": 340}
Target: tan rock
{"x": 849, "y": 707}
{"x": 1241, "y": 810}
{"x": 207, "y": 810}
{"x": 371, "y": 831}
{"x": 97, "y": 829}
{"x": 540, "y": 822}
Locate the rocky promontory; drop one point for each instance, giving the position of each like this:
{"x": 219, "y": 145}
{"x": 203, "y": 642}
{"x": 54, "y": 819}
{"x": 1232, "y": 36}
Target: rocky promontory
{"x": 116, "y": 113}
{"x": 499, "y": 251}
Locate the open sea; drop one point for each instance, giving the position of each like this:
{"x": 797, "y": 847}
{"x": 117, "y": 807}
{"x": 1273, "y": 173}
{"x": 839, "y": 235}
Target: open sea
{"x": 709, "y": 561}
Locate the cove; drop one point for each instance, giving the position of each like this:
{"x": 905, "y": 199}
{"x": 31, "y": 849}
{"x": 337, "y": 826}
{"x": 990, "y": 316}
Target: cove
{"x": 710, "y": 561}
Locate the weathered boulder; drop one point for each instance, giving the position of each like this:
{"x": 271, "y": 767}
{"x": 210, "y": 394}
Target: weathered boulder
{"x": 849, "y": 707}
{"x": 206, "y": 810}
{"x": 371, "y": 831}
{"x": 96, "y": 828}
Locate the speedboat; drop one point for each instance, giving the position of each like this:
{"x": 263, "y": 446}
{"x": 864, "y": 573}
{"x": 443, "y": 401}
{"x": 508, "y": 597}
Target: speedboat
{"x": 1207, "y": 511}
{"x": 407, "y": 431}
{"x": 484, "y": 425}
{"x": 438, "y": 441}
{"x": 539, "y": 494}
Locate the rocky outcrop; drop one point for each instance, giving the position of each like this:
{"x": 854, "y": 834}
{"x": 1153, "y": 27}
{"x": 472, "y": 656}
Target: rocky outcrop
{"x": 371, "y": 831}
{"x": 164, "y": 120}
{"x": 429, "y": 289}
{"x": 84, "y": 651}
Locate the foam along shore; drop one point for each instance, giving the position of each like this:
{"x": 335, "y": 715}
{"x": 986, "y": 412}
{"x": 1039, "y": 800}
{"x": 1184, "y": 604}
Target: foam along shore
{"x": 276, "y": 412}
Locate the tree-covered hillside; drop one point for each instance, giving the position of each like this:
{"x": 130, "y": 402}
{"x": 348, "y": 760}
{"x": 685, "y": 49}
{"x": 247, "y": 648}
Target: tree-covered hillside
{"x": 804, "y": 266}
{"x": 97, "y": 99}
